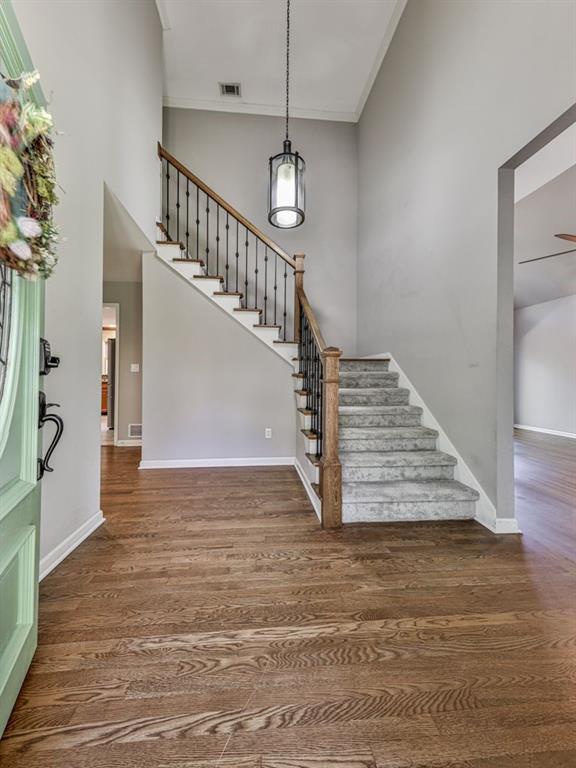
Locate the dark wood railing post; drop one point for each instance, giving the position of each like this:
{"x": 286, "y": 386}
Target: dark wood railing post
{"x": 298, "y": 288}
{"x": 330, "y": 468}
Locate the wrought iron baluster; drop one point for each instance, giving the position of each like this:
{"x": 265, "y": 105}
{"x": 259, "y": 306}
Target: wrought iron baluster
{"x": 237, "y": 256}
{"x": 198, "y": 224}
{"x": 217, "y": 239}
{"x": 177, "y": 205}
{"x": 315, "y": 390}
{"x": 265, "y": 284}
{"x": 284, "y": 314}
{"x": 207, "y": 235}
{"x": 227, "y": 248}
{"x": 246, "y": 271}
{"x": 187, "y": 218}
{"x": 275, "y": 284}
{"x": 310, "y": 383}
{"x": 317, "y": 400}
{"x": 321, "y": 409}
{"x": 167, "y": 200}
{"x": 256, "y": 276}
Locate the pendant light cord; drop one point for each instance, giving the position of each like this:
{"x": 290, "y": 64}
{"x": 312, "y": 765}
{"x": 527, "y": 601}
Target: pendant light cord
{"x": 287, "y": 62}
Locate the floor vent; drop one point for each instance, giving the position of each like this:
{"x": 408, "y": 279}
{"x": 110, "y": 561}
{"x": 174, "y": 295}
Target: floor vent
{"x": 134, "y": 430}
{"x": 229, "y": 89}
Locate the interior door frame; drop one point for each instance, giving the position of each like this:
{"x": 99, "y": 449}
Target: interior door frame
{"x": 505, "y": 315}
{"x": 116, "y": 307}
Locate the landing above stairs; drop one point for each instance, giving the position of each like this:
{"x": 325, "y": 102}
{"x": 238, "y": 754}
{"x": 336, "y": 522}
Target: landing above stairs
{"x": 391, "y": 468}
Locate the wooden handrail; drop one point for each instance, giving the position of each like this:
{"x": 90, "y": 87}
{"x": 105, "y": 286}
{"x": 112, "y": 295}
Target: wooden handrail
{"x": 163, "y": 153}
{"x": 314, "y": 327}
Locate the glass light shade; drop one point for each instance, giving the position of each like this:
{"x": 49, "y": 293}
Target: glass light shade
{"x": 287, "y": 197}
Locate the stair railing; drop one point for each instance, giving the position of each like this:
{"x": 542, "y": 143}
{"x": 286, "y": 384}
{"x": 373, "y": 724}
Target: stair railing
{"x": 209, "y": 230}
{"x": 319, "y": 367}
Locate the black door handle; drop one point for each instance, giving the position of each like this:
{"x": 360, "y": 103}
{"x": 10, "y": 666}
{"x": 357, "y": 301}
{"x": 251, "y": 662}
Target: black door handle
{"x": 44, "y": 418}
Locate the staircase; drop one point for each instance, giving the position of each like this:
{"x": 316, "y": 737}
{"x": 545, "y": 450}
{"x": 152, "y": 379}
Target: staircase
{"x": 391, "y": 469}
{"x": 368, "y": 457}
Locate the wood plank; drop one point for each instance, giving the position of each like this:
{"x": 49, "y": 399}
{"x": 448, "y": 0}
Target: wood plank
{"x": 212, "y": 622}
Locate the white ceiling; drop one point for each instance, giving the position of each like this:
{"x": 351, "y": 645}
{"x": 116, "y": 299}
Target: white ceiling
{"x": 539, "y": 216}
{"x": 337, "y": 47}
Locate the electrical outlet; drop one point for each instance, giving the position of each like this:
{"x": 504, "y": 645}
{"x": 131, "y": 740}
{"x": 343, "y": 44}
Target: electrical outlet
{"x": 268, "y": 433}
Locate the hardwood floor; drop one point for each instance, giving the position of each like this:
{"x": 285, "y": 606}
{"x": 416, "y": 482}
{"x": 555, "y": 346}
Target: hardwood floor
{"x": 210, "y": 622}
{"x": 545, "y": 481}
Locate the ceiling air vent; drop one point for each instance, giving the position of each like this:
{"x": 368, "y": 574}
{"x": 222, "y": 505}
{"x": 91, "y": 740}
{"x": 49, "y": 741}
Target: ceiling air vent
{"x": 229, "y": 89}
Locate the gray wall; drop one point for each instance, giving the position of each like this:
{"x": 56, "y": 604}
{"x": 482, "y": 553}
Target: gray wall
{"x": 129, "y": 297}
{"x": 545, "y": 365}
{"x": 101, "y": 68}
{"x": 230, "y": 153}
{"x": 204, "y": 392}
{"x": 464, "y": 85}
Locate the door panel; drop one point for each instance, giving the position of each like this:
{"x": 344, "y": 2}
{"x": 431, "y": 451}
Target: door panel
{"x": 20, "y": 506}
{"x": 19, "y": 442}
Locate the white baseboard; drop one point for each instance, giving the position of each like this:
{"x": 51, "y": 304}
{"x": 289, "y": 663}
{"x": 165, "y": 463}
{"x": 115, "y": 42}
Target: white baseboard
{"x": 264, "y": 461}
{"x": 59, "y": 553}
{"x": 486, "y": 513}
{"x": 500, "y": 525}
{"x": 554, "y": 432}
{"x": 128, "y": 443}
{"x": 312, "y": 495}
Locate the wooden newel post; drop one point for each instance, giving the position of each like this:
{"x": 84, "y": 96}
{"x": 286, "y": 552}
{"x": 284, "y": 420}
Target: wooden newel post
{"x": 298, "y": 286}
{"x": 330, "y": 469}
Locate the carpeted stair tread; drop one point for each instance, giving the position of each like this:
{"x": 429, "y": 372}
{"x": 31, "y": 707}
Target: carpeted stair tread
{"x": 396, "y": 459}
{"x": 408, "y": 491}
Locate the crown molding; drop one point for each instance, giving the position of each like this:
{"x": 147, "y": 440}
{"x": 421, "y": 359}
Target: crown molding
{"x": 247, "y": 108}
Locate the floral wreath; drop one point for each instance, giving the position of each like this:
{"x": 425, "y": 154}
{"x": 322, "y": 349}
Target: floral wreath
{"x": 28, "y": 236}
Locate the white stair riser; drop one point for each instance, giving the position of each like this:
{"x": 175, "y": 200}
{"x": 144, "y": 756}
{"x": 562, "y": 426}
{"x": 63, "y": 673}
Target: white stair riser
{"x": 286, "y": 350}
{"x": 209, "y": 286}
{"x": 188, "y": 270}
{"x": 229, "y": 303}
{"x": 168, "y": 252}
{"x": 269, "y": 335}
{"x": 249, "y": 319}
{"x": 310, "y": 445}
{"x": 300, "y": 401}
{"x": 305, "y": 421}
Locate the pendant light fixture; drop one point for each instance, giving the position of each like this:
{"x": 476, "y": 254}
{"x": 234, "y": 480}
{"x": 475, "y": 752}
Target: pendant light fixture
{"x": 286, "y": 195}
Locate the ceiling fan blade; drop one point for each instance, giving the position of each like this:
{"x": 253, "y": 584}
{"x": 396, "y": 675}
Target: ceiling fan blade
{"x": 572, "y": 238}
{"x": 550, "y": 255}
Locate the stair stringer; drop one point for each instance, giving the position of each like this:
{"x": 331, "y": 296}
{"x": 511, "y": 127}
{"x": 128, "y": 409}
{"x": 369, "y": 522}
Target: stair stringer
{"x": 188, "y": 271}
{"x": 486, "y": 513}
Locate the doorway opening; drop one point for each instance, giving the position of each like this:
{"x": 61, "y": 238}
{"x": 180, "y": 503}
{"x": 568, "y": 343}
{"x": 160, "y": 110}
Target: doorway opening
{"x": 110, "y": 373}
{"x": 536, "y": 388}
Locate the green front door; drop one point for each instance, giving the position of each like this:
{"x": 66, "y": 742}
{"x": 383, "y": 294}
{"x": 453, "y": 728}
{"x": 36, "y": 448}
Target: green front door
{"x": 20, "y": 303}
{"x": 20, "y": 325}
